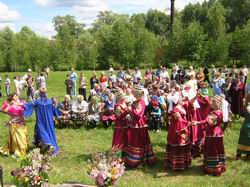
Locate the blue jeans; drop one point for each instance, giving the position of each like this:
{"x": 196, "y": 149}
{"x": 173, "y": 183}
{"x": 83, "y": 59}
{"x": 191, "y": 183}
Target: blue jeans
{"x": 7, "y": 88}
{"x": 73, "y": 90}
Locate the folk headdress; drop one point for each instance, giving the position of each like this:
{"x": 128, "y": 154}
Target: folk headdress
{"x": 119, "y": 94}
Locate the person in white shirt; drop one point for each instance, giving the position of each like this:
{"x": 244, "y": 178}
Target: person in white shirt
{"x": 245, "y": 73}
{"x": 17, "y": 85}
{"x": 165, "y": 74}
{"x": 136, "y": 75}
{"x": 42, "y": 80}
{"x": 7, "y": 85}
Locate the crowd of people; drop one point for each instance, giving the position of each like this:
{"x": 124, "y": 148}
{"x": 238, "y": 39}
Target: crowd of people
{"x": 136, "y": 103}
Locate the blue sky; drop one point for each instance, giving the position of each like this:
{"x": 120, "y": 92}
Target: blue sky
{"x": 38, "y": 14}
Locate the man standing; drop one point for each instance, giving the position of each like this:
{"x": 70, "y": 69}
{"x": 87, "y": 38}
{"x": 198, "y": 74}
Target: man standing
{"x": 82, "y": 86}
{"x": 7, "y": 85}
{"x": 73, "y": 78}
{"x": 245, "y": 73}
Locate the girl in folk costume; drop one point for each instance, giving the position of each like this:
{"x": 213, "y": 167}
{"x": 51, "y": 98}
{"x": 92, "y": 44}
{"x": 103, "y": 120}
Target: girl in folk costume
{"x": 107, "y": 115}
{"x": 236, "y": 96}
{"x": 119, "y": 141}
{"x": 214, "y": 155}
{"x": 178, "y": 152}
{"x": 244, "y": 139}
{"x": 18, "y": 131}
{"x": 139, "y": 148}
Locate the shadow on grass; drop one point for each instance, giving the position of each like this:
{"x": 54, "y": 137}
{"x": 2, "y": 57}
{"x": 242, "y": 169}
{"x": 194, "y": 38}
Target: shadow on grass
{"x": 83, "y": 157}
{"x": 158, "y": 170}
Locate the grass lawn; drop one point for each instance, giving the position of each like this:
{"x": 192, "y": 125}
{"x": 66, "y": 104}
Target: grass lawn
{"x": 76, "y": 146}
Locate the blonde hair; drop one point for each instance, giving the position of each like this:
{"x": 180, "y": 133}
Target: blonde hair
{"x": 67, "y": 97}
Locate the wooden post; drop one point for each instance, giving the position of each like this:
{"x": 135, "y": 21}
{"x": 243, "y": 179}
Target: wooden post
{"x": 1, "y": 176}
{"x": 172, "y": 15}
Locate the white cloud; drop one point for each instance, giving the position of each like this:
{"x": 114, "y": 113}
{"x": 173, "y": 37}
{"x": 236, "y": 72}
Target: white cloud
{"x": 12, "y": 26}
{"x": 43, "y": 28}
{"x": 86, "y": 10}
{"x": 8, "y": 15}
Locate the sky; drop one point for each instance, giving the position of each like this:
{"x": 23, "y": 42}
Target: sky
{"x": 38, "y": 14}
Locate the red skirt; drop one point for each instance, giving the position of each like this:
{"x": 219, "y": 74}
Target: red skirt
{"x": 214, "y": 156}
{"x": 178, "y": 157}
{"x": 139, "y": 149}
{"x": 120, "y": 137}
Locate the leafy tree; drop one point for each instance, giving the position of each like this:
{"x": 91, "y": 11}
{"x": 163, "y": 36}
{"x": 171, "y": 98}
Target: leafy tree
{"x": 157, "y": 22}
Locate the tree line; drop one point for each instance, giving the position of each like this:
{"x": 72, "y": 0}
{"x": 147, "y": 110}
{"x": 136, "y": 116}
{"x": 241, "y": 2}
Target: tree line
{"x": 214, "y": 32}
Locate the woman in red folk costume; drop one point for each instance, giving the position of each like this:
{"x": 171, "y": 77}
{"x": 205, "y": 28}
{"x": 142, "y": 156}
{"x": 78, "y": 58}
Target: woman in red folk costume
{"x": 139, "y": 148}
{"x": 178, "y": 150}
{"x": 192, "y": 107}
{"x": 120, "y": 132}
{"x": 214, "y": 154}
{"x": 236, "y": 96}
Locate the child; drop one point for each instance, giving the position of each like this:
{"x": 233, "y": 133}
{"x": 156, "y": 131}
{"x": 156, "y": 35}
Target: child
{"x": 155, "y": 115}
{"x": 7, "y": 85}
{"x": 108, "y": 115}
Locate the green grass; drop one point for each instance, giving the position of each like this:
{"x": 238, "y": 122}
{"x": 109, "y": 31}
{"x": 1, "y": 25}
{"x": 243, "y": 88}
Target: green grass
{"x": 76, "y": 146}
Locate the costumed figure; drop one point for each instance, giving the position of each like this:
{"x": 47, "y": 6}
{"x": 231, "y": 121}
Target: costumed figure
{"x": 139, "y": 148}
{"x": 236, "y": 96}
{"x": 214, "y": 154}
{"x": 18, "y": 132}
{"x": 44, "y": 135}
{"x": 244, "y": 139}
{"x": 178, "y": 149}
{"x": 119, "y": 141}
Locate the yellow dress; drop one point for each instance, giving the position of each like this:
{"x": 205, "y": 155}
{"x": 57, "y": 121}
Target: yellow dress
{"x": 17, "y": 142}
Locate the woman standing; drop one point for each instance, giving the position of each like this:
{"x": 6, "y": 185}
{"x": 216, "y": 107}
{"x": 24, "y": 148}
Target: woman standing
{"x": 139, "y": 148}
{"x": 244, "y": 139}
{"x": 214, "y": 154}
{"x": 82, "y": 86}
{"x": 18, "y": 131}
{"x": 236, "y": 96}
{"x": 178, "y": 150}
{"x": 121, "y": 126}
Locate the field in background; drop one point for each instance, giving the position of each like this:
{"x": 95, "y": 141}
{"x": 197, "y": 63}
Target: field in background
{"x": 76, "y": 146}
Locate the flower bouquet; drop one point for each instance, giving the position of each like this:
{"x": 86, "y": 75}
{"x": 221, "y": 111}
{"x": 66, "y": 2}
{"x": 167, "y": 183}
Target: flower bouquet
{"x": 34, "y": 169}
{"x": 106, "y": 169}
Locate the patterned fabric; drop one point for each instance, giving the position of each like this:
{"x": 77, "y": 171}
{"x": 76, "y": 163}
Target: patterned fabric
{"x": 18, "y": 135}
{"x": 244, "y": 139}
{"x": 214, "y": 156}
{"x": 178, "y": 157}
{"x": 139, "y": 148}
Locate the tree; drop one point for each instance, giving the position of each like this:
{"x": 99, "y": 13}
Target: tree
{"x": 87, "y": 51}
{"x": 157, "y": 22}
{"x": 194, "y": 44}
{"x": 215, "y": 28}
{"x": 238, "y": 13}
{"x": 6, "y": 48}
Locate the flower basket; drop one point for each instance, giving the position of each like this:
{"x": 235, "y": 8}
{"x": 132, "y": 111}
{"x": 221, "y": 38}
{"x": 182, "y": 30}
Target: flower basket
{"x": 106, "y": 169}
{"x": 33, "y": 170}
